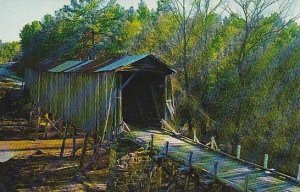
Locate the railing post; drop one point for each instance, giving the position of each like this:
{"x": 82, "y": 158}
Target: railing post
{"x": 152, "y": 139}
{"x": 167, "y": 147}
{"x": 266, "y": 161}
{"x": 238, "y": 151}
{"x": 212, "y": 140}
{"x": 216, "y": 170}
{"x": 190, "y": 158}
{"x": 187, "y": 177}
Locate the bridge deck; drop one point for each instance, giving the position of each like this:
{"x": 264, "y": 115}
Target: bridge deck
{"x": 231, "y": 171}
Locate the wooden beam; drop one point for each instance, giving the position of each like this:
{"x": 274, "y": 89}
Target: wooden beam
{"x": 128, "y": 81}
{"x": 168, "y": 126}
{"x": 126, "y": 127}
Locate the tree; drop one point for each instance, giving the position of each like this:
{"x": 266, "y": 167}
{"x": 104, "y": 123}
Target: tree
{"x": 9, "y": 51}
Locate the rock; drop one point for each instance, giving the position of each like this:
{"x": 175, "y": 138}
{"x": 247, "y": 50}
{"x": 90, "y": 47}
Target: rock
{"x": 39, "y": 152}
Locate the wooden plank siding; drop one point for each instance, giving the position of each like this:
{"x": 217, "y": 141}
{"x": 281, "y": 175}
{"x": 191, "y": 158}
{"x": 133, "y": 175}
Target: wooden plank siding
{"x": 80, "y": 98}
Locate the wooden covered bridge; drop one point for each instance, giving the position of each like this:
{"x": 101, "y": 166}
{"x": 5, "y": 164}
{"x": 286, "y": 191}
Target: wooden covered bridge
{"x": 104, "y": 98}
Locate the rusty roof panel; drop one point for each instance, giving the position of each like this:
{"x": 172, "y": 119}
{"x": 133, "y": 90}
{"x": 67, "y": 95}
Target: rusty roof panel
{"x": 65, "y": 66}
{"x": 124, "y": 61}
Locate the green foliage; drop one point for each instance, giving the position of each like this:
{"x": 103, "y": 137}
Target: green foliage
{"x": 9, "y": 51}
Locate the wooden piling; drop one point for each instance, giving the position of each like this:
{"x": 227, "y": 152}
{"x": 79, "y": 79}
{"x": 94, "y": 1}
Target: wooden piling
{"x": 187, "y": 183}
{"x": 95, "y": 138}
{"x": 173, "y": 173}
{"x": 238, "y": 151}
{"x": 148, "y": 187}
{"x": 187, "y": 177}
{"x": 247, "y": 183}
{"x": 74, "y": 141}
{"x": 266, "y": 159}
{"x": 298, "y": 176}
{"x": 86, "y": 135}
{"x": 159, "y": 177}
{"x": 64, "y": 140}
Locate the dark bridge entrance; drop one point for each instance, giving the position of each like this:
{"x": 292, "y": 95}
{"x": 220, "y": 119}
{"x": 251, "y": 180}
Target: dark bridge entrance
{"x": 143, "y": 99}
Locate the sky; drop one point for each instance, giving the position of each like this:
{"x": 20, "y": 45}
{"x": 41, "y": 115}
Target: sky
{"x": 14, "y": 14}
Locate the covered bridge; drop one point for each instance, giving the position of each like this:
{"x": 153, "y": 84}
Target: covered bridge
{"x": 101, "y": 96}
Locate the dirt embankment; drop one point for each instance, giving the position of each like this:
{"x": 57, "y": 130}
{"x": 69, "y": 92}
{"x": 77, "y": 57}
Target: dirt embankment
{"x": 35, "y": 165}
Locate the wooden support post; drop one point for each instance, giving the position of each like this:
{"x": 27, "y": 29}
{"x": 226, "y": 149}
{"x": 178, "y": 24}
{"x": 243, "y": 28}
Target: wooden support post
{"x": 95, "y": 138}
{"x": 238, "y": 151}
{"x": 85, "y": 141}
{"x": 298, "y": 176}
{"x": 148, "y": 188}
{"x": 216, "y": 170}
{"x": 187, "y": 177}
{"x": 120, "y": 127}
{"x": 74, "y": 141}
{"x": 159, "y": 177}
{"x": 171, "y": 186}
{"x": 197, "y": 183}
{"x": 247, "y": 183}
{"x": 266, "y": 159}
{"x": 37, "y": 128}
{"x": 186, "y": 183}
{"x": 64, "y": 141}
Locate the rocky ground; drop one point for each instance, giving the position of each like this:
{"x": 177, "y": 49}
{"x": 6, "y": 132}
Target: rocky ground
{"x": 27, "y": 164}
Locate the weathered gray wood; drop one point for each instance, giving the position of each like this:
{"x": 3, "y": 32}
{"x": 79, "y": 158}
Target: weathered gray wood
{"x": 74, "y": 141}
{"x": 266, "y": 159}
{"x": 64, "y": 141}
{"x": 169, "y": 127}
{"x": 85, "y": 141}
{"x": 238, "y": 151}
{"x": 230, "y": 170}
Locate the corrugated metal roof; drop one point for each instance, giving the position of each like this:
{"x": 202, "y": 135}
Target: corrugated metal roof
{"x": 65, "y": 66}
{"x": 78, "y": 67}
{"x": 113, "y": 64}
{"x": 122, "y": 62}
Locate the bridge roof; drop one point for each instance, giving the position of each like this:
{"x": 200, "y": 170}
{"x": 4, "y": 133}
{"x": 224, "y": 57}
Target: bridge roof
{"x": 142, "y": 62}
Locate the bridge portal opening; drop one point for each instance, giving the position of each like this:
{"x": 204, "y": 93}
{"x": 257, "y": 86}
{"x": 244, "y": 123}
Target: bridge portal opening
{"x": 143, "y": 99}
